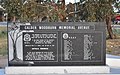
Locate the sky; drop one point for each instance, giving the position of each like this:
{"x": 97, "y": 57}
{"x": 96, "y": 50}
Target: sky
{"x": 67, "y": 1}
{"x": 72, "y": 1}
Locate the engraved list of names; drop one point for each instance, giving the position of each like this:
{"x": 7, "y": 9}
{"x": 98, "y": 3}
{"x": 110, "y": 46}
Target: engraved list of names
{"x": 80, "y": 47}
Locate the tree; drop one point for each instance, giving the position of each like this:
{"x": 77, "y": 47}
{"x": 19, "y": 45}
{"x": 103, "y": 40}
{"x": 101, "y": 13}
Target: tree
{"x": 57, "y": 11}
{"x": 35, "y": 10}
{"x": 13, "y": 8}
{"x": 70, "y": 12}
{"x": 14, "y": 33}
{"x": 98, "y": 11}
{"x": 28, "y": 11}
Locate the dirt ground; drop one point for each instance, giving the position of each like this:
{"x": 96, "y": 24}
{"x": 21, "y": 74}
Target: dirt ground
{"x": 3, "y": 61}
{"x": 113, "y": 46}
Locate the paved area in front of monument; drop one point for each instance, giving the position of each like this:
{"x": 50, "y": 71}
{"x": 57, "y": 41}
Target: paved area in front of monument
{"x": 1, "y": 71}
{"x": 114, "y": 70}
{"x": 112, "y": 61}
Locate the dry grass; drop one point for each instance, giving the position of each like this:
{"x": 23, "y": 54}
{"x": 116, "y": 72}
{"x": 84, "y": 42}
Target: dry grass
{"x": 3, "y": 40}
{"x": 113, "y": 46}
{"x": 2, "y": 28}
{"x": 3, "y": 46}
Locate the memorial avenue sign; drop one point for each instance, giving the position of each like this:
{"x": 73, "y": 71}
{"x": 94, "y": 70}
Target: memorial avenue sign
{"x": 59, "y": 44}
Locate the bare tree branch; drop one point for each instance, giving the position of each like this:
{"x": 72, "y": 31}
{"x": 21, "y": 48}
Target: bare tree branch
{"x": 12, "y": 38}
{"x": 14, "y": 32}
{"x": 17, "y": 38}
{"x": 18, "y": 33}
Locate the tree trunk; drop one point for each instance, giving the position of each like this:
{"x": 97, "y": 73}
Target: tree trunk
{"x": 14, "y": 52}
{"x": 15, "y": 58}
{"x": 14, "y": 18}
{"x": 109, "y": 28}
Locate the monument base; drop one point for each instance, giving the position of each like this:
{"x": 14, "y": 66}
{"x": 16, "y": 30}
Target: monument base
{"x": 57, "y": 70}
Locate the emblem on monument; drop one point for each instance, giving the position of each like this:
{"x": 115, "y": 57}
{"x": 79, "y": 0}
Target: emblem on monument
{"x": 65, "y": 36}
{"x": 27, "y": 37}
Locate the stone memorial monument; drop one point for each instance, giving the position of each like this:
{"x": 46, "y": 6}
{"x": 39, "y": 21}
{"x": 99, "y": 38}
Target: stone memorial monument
{"x": 57, "y": 47}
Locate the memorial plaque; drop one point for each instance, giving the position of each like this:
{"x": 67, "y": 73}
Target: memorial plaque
{"x": 57, "y": 44}
{"x": 40, "y": 47}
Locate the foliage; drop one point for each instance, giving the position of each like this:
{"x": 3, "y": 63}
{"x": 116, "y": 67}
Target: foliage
{"x": 28, "y": 10}
{"x": 96, "y": 10}
{"x": 57, "y": 13}
{"x": 13, "y": 8}
{"x": 33, "y": 10}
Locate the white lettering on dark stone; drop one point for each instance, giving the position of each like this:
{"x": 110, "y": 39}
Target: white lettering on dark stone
{"x": 40, "y": 56}
{"x": 68, "y": 50}
{"x": 44, "y": 36}
{"x": 43, "y": 41}
{"x": 88, "y": 43}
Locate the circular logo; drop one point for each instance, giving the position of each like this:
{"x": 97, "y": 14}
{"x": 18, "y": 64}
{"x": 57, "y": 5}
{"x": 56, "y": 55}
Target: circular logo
{"x": 27, "y": 37}
{"x": 65, "y": 36}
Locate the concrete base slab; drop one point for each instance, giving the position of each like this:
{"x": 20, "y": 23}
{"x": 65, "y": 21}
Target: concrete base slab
{"x": 58, "y": 70}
